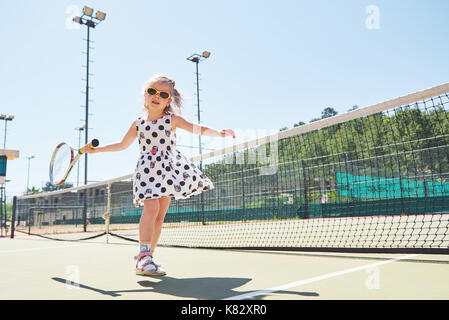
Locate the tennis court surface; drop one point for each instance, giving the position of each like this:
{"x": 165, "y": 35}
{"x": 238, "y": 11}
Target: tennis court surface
{"x": 36, "y": 268}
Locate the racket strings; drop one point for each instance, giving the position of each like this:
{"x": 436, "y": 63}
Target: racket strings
{"x": 61, "y": 162}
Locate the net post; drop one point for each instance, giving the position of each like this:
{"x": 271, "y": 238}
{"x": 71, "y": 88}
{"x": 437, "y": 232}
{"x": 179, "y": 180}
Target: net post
{"x": 349, "y": 197}
{"x": 107, "y": 214}
{"x": 13, "y": 216}
{"x": 306, "y": 201}
{"x": 3, "y": 221}
{"x": 243, "y": 194}
{"x": 29, "y": 215}
{"x": 85, "y": 209}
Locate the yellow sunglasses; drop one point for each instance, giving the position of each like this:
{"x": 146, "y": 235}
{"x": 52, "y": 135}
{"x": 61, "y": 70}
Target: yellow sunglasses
{"x": 162, "y": 94}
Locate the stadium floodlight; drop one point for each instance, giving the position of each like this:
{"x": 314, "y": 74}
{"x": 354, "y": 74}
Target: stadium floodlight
{"x": 100, "y": 15}
{"x": 6, "y": 118}
{"x": 78, "y": 20}
{"x": 28, "y": 176}
{"x": 88, "y": 11}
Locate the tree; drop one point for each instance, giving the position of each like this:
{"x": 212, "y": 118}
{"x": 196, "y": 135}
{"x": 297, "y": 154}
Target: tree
{"x": 49, "y": 187}
{"x": 328, "y": 112}
{"x": 300, "y": 123}
{"x": 33, "y": 190}
{"x": 354, "y": 107}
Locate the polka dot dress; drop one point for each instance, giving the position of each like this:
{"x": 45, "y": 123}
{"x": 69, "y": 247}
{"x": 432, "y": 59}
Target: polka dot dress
{"x": 163, "y": 171}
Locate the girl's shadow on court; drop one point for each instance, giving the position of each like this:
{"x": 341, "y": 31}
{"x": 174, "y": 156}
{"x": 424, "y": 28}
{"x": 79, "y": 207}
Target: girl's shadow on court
{"x": 209, "y": 288}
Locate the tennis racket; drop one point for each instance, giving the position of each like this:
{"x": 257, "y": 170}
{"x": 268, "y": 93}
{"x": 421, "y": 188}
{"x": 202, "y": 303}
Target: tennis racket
{"x": 63, "y": 159}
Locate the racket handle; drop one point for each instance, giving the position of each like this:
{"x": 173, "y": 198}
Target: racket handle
{"x": 93, "y": 144}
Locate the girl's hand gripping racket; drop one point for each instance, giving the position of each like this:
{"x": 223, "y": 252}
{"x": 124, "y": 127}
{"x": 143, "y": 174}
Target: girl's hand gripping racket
{"x": 63, "y": 159}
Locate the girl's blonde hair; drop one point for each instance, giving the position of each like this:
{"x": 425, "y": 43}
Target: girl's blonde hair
{"x": 176, "y": 96}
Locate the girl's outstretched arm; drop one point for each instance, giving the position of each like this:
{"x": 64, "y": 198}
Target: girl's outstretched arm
{"x": 182, "y": 123}
{"x": 118, "y": 146}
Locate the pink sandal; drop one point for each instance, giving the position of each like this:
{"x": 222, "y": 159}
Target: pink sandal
{"x": 145, "y": 265}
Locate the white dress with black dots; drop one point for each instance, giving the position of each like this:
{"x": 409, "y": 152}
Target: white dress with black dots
{"x": 162, "y": 170}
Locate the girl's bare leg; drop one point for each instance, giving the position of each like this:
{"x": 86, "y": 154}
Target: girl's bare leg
{"x": 147, "y": 220}
{"x": 164, "y": 203}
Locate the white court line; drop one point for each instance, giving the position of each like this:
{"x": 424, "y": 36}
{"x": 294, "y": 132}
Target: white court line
{"x": 43, "y": 248}
{"x": 315, "y": 279}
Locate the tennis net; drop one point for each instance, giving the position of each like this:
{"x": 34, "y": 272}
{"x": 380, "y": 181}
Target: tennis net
{"x": 375, "y": 179}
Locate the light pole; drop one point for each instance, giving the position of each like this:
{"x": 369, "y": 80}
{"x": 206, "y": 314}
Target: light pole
{"x": 89, "y": 21}
{"x": 79, "y": 146}
{"x": 196, "y": 58}
{"x": 28, "y": 176}
{"x": 6, "y": 118}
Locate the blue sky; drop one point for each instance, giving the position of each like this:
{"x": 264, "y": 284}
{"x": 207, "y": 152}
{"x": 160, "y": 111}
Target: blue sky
{"x": 273, "y": 64}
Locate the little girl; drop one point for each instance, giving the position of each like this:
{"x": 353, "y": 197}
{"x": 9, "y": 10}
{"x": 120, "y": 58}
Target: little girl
{"x": 162, "y": 172}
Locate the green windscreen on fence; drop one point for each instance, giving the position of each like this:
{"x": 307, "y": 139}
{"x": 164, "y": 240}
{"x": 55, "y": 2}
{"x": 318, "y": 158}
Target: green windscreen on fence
{"x": 365, "y": 187}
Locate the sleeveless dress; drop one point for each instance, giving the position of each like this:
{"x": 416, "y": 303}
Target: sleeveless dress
{"x": 162, "y": 170}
